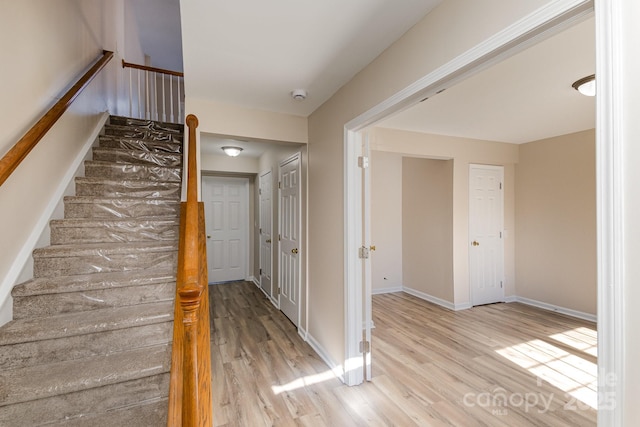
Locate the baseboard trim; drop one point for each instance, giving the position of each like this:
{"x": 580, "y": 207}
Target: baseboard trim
{"x": 551, "y": 307}
{"x": 303, "y": 333}
{"x": 21, "y": 260}
{"x": 386, "y": 290}
{"x": 254, "y": 280}
{"x": 430, "y": 298}
{"x": 337, "y": 369}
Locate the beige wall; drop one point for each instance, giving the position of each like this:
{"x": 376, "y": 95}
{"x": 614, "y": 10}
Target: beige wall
{"x": 230, "y": 120}
{"x": 450, "y": 30}
{"x": 386, "y": 220}
{"x": 556, "y": 221}
{"x": 427, "y": 226}
{"x": 46, "y": 45}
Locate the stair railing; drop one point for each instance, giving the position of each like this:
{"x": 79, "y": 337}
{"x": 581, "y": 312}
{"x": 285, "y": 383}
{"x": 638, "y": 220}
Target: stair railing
{"x": 23, "y": 147}
{"x": 190, "y": 401}
{"x": 155, "y": 93}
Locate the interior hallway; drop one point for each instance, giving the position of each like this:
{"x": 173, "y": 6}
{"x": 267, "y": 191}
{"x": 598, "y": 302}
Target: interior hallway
{"x": 495, "y": 365}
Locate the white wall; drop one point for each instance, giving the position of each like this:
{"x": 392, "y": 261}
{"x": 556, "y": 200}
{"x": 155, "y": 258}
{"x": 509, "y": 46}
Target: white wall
{"x": 46, "y": 46}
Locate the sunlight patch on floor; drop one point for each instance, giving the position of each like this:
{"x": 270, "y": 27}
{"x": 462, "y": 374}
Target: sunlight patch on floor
{"x": 303, "y": 382}
{"x": 568, "y": 372}
{"x": 583, "y": 339}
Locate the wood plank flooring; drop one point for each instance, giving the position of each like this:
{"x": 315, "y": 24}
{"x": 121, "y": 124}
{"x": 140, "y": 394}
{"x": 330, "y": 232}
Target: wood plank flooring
{"x": 496, "y": 365}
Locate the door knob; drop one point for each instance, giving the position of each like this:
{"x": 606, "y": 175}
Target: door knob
{"x": 372, "y": 248}
{"x": 268, "y": 241}
{"x": 294, "y": 251}
{"x": 208, "y": 236}
{"x": 474, "y": 243}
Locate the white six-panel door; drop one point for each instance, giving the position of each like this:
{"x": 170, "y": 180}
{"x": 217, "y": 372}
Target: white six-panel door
{"x": 226, "y": 203}
{"x": 486, "y": 248}
{"x": 266, "y": 240}
{"x": 289, "y": 243}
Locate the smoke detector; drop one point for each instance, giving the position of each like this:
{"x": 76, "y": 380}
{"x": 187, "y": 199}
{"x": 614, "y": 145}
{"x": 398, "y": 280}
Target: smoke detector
{"x": 299, "y": 94}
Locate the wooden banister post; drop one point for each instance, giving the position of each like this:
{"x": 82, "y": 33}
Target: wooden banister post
{"x": 190, "y": 402}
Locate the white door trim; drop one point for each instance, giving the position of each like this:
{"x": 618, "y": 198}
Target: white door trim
{"x": 609, "y": 141}
{"x": 472, "y": 290}
{"x": 262, "y": 262}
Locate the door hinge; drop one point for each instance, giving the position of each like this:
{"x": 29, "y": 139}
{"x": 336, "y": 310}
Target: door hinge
{"x": 260, "y": 230}
{"x": 279, "y": 184}
{"x": 365, "y": 347}
{"x": 279, "y": 237}
{"x": 278, "y": 290}
{"x": 261, "y": 272}
{"x": 363, "y": 252}
{"x": 500, "y": 284}
{"x": 500, "y": 186}
{"x": 260, "y": 191}
{"x": 363, "y": 162}
{"x": 501, "y": 234}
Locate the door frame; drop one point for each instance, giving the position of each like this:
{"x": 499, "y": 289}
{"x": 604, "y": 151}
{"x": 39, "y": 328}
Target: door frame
{"x": 501, "y": 170}
{"x": 543, "y": 22}
{"x": 260, "y": 263}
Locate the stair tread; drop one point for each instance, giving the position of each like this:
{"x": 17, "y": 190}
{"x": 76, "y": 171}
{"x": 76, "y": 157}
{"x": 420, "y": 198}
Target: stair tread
{"x": 84, "y": 249}
{"x": 93, "y": 281}
{"x": 124, "y": 120}
{"x": 135, "y": 151}
{"x": 175, "y": 146}
{"x": 101, "y": 180}
{"x": 89, "y": 222}
{"x": 120, "y": 200}
{"x": 150, "y": 413}
{"x": 137, "y": 126}
{"x": 119, "y": 165}
{"x": 72, "y": 324}
{"x": 40, "y": 381}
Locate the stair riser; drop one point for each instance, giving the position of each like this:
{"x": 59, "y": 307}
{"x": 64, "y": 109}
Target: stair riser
{"x": 128, "y": 171}
{"x": 142, "y": 134}
{"x": 61, "y": 303}
{"x": 122, "y": 209}
{"x": 81, "y": 346}
{"x": 129, "y": 189}
{"x": 101, "y": 399}
{"x": 71, "y": 265}
{"x": 139, "y": 144}
{"x": 143, "y": 123}
{"x": 138, "y": 157}
{"x": 113, "y": 233}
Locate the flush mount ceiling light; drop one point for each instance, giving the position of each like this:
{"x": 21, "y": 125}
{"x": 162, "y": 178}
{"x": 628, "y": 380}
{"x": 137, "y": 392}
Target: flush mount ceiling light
{"x": 586, "y": 85}
{"x": 231, "y": 151}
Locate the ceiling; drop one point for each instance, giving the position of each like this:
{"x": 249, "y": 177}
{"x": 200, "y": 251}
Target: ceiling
{"x": 524, "y": 98}
{"x": 253, "y": 53}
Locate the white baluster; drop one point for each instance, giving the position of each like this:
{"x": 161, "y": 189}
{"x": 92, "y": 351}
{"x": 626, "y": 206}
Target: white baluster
{"x": 147, "y": 111}
{"x": 171, "y": 97}
{"x": 164, "y": 102}
{"x": 139, "y": 116}
{"x": 130, "y": 93}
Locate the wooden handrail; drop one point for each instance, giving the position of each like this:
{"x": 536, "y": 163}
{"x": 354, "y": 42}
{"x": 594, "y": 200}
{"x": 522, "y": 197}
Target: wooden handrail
{"x": 19, "y": 151}
{"x": 190, "y": 401}
{"x": 154, "y": 69}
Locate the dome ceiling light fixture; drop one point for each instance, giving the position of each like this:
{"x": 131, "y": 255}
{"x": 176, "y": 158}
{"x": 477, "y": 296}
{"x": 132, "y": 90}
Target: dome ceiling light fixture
{"x": 231, "y": 151}
{"x": 586, "y": 85}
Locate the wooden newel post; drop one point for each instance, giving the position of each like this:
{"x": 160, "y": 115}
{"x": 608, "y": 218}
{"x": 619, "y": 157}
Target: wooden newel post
{"x": 190, "y": 402}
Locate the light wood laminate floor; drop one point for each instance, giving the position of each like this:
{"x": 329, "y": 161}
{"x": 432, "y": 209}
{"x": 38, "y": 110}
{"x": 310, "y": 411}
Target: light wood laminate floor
{"x": 496, "y": 365}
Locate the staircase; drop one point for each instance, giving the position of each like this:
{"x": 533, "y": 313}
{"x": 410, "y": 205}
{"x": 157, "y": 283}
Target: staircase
{"x": 90, "y": 343}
